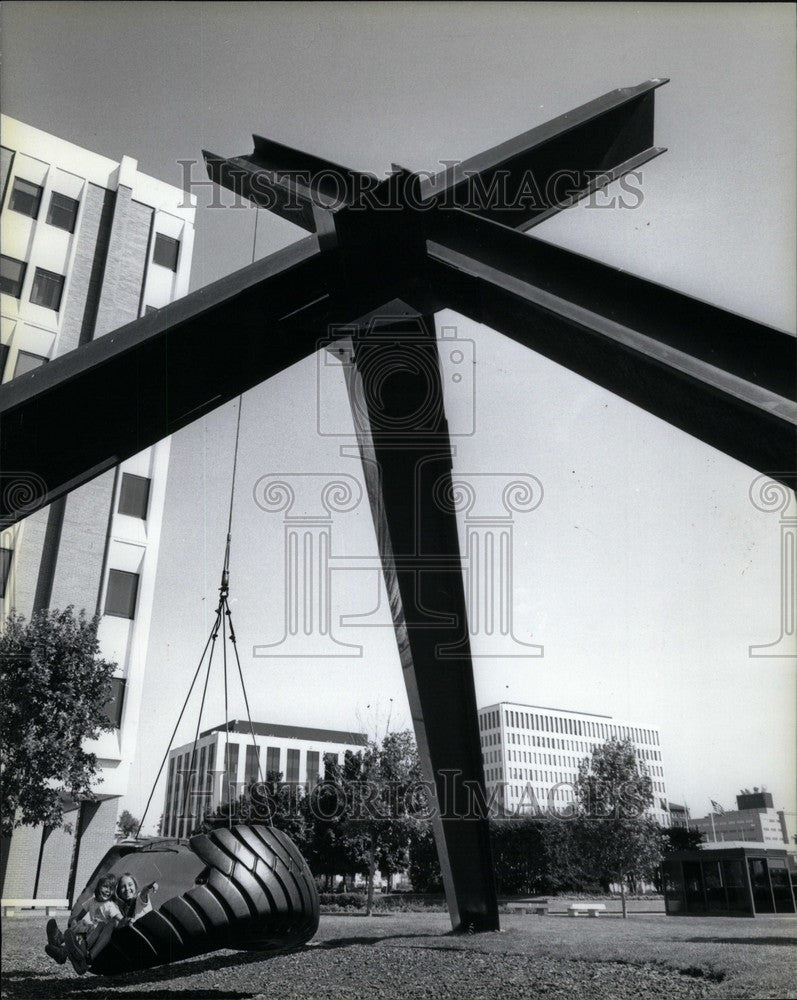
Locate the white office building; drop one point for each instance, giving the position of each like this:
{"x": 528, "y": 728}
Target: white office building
{"x": 227, "y": 761}
{"x": 88, "y": 245}
{"x": 531, "y": 755}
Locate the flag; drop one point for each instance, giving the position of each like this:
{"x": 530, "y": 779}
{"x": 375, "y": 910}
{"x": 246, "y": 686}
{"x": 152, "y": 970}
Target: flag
{"x": 717, "y": 807}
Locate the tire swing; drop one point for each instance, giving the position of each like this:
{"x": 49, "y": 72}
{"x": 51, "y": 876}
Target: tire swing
{"x": 245, "y": 886}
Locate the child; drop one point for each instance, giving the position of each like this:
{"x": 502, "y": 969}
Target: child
{"x": 96, "y": 918}
{"x": 131, "y": 902}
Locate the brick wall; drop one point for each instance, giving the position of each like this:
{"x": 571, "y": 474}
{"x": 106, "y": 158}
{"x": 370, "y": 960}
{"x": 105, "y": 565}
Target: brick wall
{"x": 56, "y": 860}
{"x": 81, "y": 551}
{"x": 97, "y": 830}
{"x": 26, "y": 563}
{"x": 87, "y": 266}
{"x": 126, "y": 263}
{"x": 20, "y": 860}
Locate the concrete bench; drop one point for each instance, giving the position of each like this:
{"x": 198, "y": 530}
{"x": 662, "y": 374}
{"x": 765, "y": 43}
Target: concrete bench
{"x": 10, "y": 906}
{"x": 540, "y": 907}
{"x": 591, "y": 909}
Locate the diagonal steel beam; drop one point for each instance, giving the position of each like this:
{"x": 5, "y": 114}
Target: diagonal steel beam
{"x": 525, "y": 180}
{"x": 724, "y": 379}
{"x": 396, "y": 399}
{"x": 132, "y": 387}
{"x": 519, "y": 183}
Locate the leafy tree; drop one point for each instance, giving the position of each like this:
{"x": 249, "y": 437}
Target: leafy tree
{"x": 127, "y": 824}
{"x": 613, "y": 839}
{"x": 53, "y": 689}
{"x": 424, "y": 865}
{"x": 379, "y": 820}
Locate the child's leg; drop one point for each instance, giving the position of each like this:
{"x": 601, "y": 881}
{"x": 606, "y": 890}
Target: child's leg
{"x": 97, "y": 939}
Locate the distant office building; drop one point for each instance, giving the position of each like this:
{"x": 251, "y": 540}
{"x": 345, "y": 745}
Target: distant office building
{"x": 531, "y": 755}
{"x": 88, "y": 244}
{"x": 679, "y": 816}
{"x": 228, "y": 762}
{"x": 755, "y": 819}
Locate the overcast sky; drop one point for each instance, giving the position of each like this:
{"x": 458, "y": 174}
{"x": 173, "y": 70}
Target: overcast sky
{"x": 646, "y": 572}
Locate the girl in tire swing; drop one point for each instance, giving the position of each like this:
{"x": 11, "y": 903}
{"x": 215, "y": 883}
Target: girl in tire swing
{"x": 90, "y": 930}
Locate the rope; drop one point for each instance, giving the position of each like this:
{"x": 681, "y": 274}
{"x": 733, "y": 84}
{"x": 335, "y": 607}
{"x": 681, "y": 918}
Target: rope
{"x": 174, "y": 733}
{"x": 226, "y": 725}
{"x": 223, "y": 614}
{"x": 214, "y": 636}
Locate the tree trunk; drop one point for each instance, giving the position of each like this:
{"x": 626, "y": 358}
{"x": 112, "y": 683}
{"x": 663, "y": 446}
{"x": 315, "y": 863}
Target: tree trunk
{"x": 622, "y": 897}
{"x": 371, "y": 872}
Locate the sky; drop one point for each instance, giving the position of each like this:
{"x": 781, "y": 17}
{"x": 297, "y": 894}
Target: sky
{"x": 646, "y": 572}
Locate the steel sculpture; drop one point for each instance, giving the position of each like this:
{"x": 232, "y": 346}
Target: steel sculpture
{"x": 381, "y": 258}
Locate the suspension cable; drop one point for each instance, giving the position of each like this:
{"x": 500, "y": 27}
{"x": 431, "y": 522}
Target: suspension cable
{"x": 174, "y": 733}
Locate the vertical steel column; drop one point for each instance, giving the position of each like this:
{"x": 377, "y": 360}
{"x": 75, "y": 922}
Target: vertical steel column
{"x": 396, "y": 397}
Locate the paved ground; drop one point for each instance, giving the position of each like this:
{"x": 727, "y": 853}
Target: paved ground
{"x": 414, "y": 956}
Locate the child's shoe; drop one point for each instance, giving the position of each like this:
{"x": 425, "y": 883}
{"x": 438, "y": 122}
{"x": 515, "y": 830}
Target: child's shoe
{"x": 54, "y": 935}
{"x": 56, "y": 953}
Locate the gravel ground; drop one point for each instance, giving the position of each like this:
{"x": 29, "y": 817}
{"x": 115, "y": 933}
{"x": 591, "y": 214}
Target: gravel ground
{"x": 412, "y": 955}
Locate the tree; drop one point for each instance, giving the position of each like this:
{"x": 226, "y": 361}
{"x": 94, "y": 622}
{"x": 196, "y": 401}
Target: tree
{"x": 54, "y": 687}
{"x": 424, "y": 864}
{"x": 613, "y": 838}
{"x": 379, "y": 818}
{"x": 127, "y": 824}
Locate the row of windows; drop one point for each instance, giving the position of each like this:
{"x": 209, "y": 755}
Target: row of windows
{"x": 47, "y": 289}
{"x": 26, "y": 199}
{"x": 120, "y": 598}
{"x": 180, "y": 765}
{"x": 574, "y": 727}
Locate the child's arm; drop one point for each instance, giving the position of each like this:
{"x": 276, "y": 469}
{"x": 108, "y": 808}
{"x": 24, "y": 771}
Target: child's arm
{"x": 144, "y": 894}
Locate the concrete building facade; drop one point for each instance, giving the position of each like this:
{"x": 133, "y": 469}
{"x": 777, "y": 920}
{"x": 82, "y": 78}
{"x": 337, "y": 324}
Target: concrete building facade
{"x": 754, "y": 820}
{"x": 88, "y": 245}
{"x": 531, "y": 755}
{"x": 227, "y": 762}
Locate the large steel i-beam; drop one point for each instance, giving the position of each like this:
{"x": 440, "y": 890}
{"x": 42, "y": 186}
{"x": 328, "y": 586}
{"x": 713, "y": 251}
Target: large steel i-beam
{"x": 451, "y": 241}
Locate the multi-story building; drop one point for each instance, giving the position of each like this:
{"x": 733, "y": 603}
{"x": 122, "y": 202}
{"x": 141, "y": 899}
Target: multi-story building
{"x": 88, "y": 244}
{"x": 531, "y": 755}
{"x": 679, "y": 816}
{"x": 227, "y": 762}
{"x": 754, "y": 819}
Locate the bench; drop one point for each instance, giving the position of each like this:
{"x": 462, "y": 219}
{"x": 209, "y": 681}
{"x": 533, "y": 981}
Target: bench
{"x": 539, "y": 907}
{"x": 591, "y": 909}
{"x": 10, "y": 906}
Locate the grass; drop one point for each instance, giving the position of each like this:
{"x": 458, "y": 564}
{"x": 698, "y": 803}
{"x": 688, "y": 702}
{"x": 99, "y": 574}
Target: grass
{"x": 722, "y": 958}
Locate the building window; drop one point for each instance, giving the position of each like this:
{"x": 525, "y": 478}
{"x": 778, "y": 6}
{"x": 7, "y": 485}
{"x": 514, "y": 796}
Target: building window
{"x": 27, "y": 362}
{"x": 48, "y": 287}
{"x": 166, "y": 251}
{"x": 313, "y": 766}
{"x": 115, "y": 704}
{"x": 62, "y": 212}
{"x": 251, "y": 766}
{"x": 272, "y": 762}
{"x": 134, "y": 496}
{"x": 5, "y": 569}
{"x": 228, "y": 792}
{"x": 120, "y": 599}
{"x": 12, "y": 274}
{"x": 4, "y": 349}
{"x": 25, "y": 197}
{"x": 293, "y": 766}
